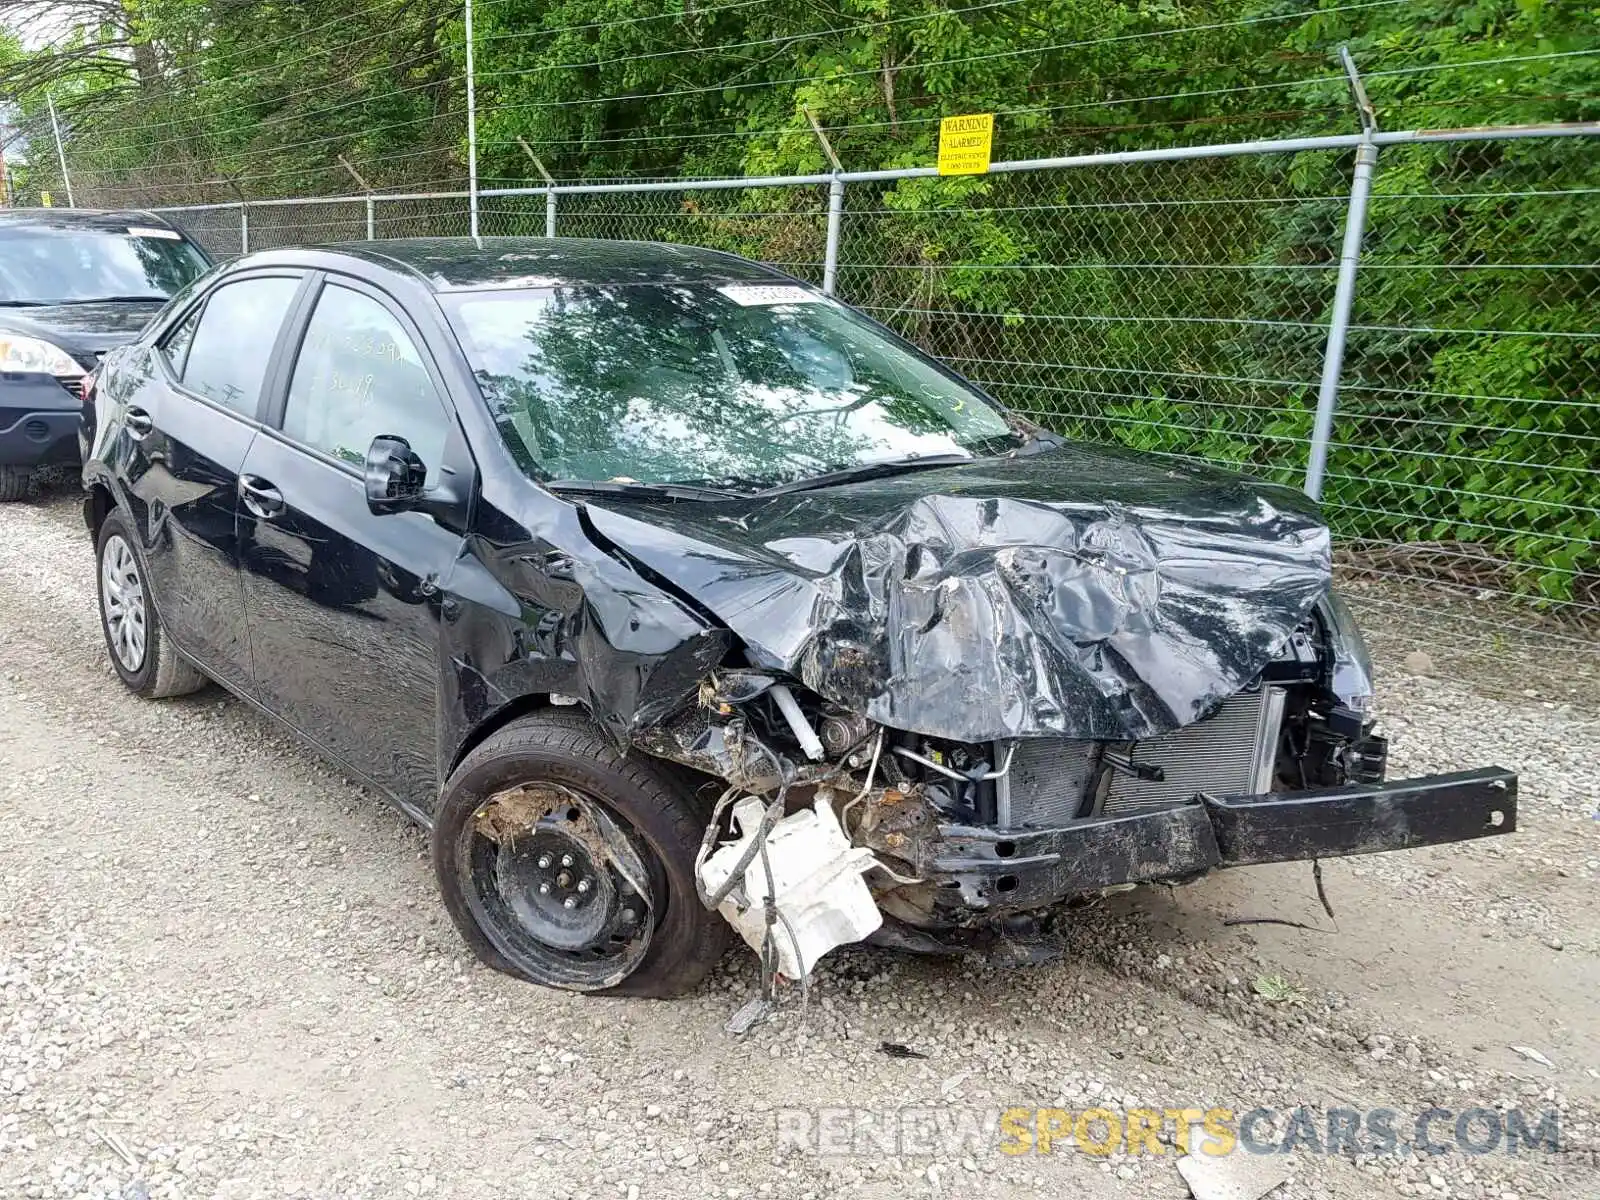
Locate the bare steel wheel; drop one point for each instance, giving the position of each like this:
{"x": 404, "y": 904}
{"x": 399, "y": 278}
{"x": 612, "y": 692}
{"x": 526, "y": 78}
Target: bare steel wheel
{"x": 556, "y": 882}
{"x": 141, "y": 655}
{"x": 564, "y": 863}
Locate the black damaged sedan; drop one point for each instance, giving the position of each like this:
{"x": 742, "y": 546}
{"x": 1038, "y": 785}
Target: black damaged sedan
{"x": 567, "y": 545}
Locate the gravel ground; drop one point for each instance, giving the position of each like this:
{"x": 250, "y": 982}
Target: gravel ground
{"x": 224, "y": 972}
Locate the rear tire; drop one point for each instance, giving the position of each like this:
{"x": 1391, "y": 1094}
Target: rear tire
{"x": 14, "y": 483}
{"x": 494, "y": 906}
{"x": 146, "y": 662}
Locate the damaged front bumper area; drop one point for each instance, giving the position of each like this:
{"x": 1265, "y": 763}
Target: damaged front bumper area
{"x": 979, "y": 872}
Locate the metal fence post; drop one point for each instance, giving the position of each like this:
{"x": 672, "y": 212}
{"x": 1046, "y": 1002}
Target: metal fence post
{"x": 1344, "y": 291}
{"x": 472, "y": 131}
{"x": 1339, "y": 322}
{"x": 61, "y": 154}
{"x": 372, "y": 218}
{"x": 244, "y": 228}
{"x": 830, "y": 255}
{"x": 550, "y": 212}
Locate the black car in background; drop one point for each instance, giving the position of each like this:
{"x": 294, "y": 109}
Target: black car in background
{"x": 73, "y": 284}
{"x": 567, "y": 545}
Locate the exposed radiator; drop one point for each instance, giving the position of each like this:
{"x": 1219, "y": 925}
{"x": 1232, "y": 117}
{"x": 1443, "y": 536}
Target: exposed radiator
{"x": 1231, "y": 751}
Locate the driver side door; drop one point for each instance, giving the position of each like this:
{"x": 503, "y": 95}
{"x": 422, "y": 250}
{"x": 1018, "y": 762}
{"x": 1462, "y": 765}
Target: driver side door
{"x": 344, "y": 606}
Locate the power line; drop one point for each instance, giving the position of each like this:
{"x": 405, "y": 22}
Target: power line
{"x": 278, "y": 118}
{"x": 249, "y": 156}
{"x": 953, "y": 62}
{"x": 671, "y": 133}
{"x": 704, "y": 12}
{"x": 242, "y": 52}
{"x": 601, "y": 145}
{"x": 565, "y": 66}
{"x": 777, "y": 41}
{"x": 1484, "y": 62}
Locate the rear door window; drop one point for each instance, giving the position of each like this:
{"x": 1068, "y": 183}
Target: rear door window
{"x": 231, "y": 346}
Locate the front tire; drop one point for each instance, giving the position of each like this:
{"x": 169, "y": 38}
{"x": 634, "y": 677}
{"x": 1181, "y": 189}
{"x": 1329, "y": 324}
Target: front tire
{"x": 14, "y": 483}
{"x": 546, "y": 807}
{"x": 146, "y": 662}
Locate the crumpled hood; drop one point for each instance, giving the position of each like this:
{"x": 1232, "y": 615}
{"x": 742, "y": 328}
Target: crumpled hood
{"x": 83, "y": 330}
{"x": 1084, "y": 592}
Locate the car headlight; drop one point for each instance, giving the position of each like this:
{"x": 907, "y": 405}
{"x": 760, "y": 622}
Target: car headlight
{"x": 18, "y": 353}
{"x": 1351, "y": 676}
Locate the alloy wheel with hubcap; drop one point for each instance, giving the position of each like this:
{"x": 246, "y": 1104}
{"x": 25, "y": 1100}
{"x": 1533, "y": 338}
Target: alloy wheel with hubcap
{"x": 122, "y": 602}
{"x": 142, "y": 655}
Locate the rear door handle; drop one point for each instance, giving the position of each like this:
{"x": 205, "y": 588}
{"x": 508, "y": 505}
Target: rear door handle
{"x": 260, "y": 497}
{"x": 138, "y": 423}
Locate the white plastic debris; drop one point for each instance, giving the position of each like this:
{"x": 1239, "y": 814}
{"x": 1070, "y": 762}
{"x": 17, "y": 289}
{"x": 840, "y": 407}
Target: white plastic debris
{"x": 1236, "y": 1176}
{"x": 1532, "y": 1055}
{"x": 817, "y": 885}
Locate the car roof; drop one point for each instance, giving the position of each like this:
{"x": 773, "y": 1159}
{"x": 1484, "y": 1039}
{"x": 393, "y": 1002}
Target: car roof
{"x": 107, "y": 220}
{"x": 467, "y": 264}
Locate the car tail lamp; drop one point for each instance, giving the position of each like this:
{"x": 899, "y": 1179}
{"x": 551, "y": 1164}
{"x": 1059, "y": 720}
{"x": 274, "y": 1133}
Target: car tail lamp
{"x": 35, "y": 356}
{"x": 86, "y": 387}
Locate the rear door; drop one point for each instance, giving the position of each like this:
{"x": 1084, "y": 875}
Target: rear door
{"x": 184, "y": 428}
{"x": 344, "y": 606}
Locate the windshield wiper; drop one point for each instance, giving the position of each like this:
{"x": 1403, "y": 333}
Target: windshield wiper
{"x": 871, "y": 470}
{"x": 156, "y": 298}
{"x": 638, "y": 491}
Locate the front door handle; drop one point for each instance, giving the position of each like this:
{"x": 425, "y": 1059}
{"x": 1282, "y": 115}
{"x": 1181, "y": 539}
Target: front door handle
{"x": 138, "y": 423}
{"x": 260, "y": 497}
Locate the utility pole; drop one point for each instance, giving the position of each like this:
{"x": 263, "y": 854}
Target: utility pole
{"x": 61, "y": 154}
{"x": 472, "y": 133}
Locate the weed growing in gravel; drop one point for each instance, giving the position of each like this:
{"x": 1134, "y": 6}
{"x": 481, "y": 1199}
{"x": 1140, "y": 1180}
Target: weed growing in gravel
{"x": 1277, "y": 990}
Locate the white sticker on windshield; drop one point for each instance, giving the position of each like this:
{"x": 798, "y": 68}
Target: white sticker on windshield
{"x": 761, "y": 295}
{"x": 172, "y": 235}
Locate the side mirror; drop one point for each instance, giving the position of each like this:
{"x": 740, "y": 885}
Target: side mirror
{"x": 396, "y": 478}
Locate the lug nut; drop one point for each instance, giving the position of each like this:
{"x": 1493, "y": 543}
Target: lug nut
{"x": 566, "y": 860}
{"x": 544, "y": 862}
{"x": 544, "y": 889}
{"x": 570, "y": 902}
{"x": 629, "y": 916}
{"x": 583, "y": 885}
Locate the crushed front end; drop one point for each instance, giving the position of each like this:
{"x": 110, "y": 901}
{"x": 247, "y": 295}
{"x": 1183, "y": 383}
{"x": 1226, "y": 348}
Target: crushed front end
{"x": 980, "y": 842}
{"x": 1021, "y": 680}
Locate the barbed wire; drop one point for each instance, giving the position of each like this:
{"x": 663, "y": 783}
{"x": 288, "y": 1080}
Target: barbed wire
{"x": 560, "y": 29}
{"x": 783, "y": 40}
{"x": 952, "y": 62}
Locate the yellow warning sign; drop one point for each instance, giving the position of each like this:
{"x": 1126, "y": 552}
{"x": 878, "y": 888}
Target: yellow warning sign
{"x": 964, "y": 144}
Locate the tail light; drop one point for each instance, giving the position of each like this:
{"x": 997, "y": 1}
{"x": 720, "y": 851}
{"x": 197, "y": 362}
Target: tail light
{"x": 86, "y": 387}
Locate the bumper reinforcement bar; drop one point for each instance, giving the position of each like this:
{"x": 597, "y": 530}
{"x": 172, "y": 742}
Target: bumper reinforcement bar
{"x": 1021, "y": 869}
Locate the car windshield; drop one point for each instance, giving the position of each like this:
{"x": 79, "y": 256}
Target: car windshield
{"x": 748, "y": 385}
{"x": 66, "y": 265}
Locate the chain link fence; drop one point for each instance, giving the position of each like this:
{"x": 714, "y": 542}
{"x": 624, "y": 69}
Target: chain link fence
{"x": 1129, "y": 303}
{"x": 1182, "y": 305}
{"x": 1466, "y": 456}
{"x": 783, "y": 226}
